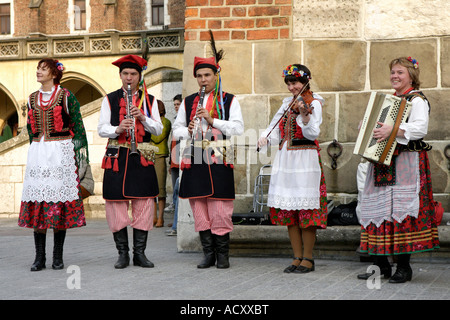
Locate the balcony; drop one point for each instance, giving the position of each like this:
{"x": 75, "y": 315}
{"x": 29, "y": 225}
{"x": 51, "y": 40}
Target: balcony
{"x": 104, "y": 44}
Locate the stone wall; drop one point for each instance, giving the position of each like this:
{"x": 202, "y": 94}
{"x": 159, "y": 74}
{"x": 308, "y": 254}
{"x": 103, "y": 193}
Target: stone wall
{"x": 347, "y": 45}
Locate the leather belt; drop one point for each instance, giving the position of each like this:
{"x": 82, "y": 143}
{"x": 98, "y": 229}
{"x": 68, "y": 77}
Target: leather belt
{"x": 147, "y": 150}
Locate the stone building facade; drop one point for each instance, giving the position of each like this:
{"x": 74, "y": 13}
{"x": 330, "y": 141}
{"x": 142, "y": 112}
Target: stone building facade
{"x": 347, "y": 45}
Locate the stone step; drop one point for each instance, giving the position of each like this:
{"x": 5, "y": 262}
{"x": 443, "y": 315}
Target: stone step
{"x": 336, "y": 242}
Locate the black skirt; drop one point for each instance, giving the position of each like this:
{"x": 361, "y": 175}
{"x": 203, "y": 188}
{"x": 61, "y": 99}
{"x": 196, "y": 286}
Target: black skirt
{"x": 132, "y": 180}
{"x": 207, "y": 180}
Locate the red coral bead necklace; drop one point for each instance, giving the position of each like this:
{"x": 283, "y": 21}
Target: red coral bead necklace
{"x": 45, "y": 104}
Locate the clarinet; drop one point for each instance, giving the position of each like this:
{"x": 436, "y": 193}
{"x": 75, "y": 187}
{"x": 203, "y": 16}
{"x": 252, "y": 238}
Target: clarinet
{"x": 196, "y": 119}
{"x": 133, "y": 148}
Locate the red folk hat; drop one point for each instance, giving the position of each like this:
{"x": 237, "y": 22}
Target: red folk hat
{"x": 131, "y": 61}
{"x": 205, "y": 63}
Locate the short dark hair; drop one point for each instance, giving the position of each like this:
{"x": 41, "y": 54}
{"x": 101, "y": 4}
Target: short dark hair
{"x": 303, "y": 79}
{"x": 161, "y": 108}
{"x": 178, "y": 97}
{"x": 52, "y": 65}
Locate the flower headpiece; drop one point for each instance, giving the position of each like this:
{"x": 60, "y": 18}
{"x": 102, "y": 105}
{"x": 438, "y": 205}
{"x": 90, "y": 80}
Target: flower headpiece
{"x": 294, "y": 71}
{"x": 414, "y": 62}
{"x": 59, "y": 65}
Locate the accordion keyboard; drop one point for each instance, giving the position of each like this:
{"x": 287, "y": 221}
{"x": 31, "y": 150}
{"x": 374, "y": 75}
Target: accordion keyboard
{"x": 383, "y": 108}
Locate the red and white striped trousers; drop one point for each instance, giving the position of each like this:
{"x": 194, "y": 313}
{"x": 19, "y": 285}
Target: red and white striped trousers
{"x": 212, "y": 214}
{"x": 142, "y": 211}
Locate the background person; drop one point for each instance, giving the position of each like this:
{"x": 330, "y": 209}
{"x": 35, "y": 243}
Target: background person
{"x": 174, "y": 171}
{"x": 161, "y": 142}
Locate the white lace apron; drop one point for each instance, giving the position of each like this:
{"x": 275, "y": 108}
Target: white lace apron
{"x": 50, "y": 174}
{"x": 392, "y": 203}
{"x": 295, "y": 180}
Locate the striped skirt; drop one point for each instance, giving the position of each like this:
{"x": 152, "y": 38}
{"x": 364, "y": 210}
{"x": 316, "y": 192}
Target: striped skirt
{"x": 412, "y": 234}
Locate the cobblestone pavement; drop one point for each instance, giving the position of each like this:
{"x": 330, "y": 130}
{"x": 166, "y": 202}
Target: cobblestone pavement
{"x": 89, "y": 256}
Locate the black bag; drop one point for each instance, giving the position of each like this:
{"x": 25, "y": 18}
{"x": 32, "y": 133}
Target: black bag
{"x": 343, "y": 215}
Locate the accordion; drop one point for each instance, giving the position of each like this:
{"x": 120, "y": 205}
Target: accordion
{"x": 387, "y": 109}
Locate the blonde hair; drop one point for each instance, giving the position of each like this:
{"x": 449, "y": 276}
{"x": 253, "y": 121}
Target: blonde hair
{"x": 413, "y": 69}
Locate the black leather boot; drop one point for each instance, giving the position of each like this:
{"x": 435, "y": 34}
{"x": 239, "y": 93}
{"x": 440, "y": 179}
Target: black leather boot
{"x": 39, "y": 243}
{"x": 222, "y": 250}
{"x": 139, "y": 245}
{"x": 58, "y": 244}
{"x": 121, "y": 240}
{"x": 404, "y": 270}
{"x": 384, "y": 265}
{"x": 207, "y": 240}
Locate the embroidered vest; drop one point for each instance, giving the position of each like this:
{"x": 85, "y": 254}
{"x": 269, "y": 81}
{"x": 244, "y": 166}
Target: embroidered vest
{"x": 292, "y": 134}
{"x": 416, "y": 145}
{"x": 189, "y": 104}
{"x": 206, "y": 180}
{"x": 115, "y": 102}
{"x": 50, "y": 121}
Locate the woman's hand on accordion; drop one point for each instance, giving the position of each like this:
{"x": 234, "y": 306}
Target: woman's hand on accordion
{"x": 382, "y": 132}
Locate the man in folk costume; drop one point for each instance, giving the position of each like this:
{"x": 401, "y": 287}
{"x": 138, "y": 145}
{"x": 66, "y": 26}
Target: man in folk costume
{"x": 130, "y": 176}
{"x": 207, "y": 179}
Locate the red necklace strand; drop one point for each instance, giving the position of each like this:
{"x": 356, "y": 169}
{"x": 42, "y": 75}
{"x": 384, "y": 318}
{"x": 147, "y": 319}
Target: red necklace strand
{"x": 45, "y": 104}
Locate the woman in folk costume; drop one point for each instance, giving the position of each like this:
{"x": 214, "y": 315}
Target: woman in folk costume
{"x": 297, "y": 191}
{"x": 130, "y": 174}
{"x": 207, "y": 178}
{"x": 397, "y": 210}
{"x": 51, "y": 196}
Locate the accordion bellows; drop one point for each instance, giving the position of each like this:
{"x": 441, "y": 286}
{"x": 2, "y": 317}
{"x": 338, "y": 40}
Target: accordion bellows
{"x": 388, "y": 109}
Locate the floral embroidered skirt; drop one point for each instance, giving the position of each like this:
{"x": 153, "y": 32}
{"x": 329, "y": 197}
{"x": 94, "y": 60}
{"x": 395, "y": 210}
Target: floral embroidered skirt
{"x": 51, "y": 195}
{"x": 304, "y": 217}
{"x": 411, "y": 234}
{"x": 60, "y": 215}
